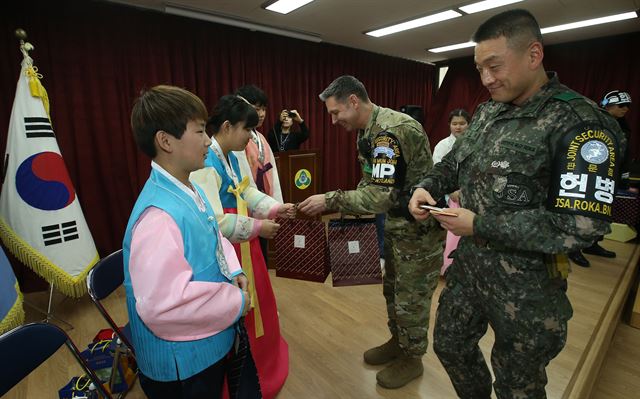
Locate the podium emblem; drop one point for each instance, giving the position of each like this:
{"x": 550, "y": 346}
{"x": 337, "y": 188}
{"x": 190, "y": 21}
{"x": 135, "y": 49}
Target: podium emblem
{"x": 302, "y": 179}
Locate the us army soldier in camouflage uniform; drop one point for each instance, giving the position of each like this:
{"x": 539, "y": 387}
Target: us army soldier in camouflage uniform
{"x": 536, "y": 170}
{"x": 394, "y": 154}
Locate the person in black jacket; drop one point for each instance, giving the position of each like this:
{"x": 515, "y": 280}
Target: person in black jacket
{"x": 282, "y": 138}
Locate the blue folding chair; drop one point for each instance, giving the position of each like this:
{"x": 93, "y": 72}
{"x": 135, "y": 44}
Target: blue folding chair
{"x": 105, "y": 277}
{"x": 26, "y": 347}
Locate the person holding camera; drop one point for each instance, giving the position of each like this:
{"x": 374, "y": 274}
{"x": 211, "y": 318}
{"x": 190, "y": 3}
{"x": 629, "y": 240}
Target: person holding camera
{"x": 282, "y": 138}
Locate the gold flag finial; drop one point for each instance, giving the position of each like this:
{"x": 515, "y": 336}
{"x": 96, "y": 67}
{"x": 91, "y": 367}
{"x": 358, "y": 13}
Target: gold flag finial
{"x": 21, "y": 34}
{"x": 25, "y": 46}
{"x": 35, "y": 87}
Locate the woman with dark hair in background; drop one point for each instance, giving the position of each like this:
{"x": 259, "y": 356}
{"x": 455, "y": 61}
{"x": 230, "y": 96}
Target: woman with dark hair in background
{"x": 282, "y": 138}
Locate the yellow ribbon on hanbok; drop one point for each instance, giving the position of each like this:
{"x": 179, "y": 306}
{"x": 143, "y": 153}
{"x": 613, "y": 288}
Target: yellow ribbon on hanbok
{"x": 245, "y": 253}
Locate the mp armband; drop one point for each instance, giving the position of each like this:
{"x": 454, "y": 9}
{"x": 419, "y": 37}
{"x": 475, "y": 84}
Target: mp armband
{"x": 585, "y": 168}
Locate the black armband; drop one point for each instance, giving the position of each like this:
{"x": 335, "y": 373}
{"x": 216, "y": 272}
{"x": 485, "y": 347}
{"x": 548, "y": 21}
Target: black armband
{"x": 388, "y": 167}
{"x": 585, "y": 169}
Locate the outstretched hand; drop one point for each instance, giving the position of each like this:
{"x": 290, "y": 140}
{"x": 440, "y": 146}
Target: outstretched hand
{"x": 287, "y": 211}
{"x": 313, "y": 205}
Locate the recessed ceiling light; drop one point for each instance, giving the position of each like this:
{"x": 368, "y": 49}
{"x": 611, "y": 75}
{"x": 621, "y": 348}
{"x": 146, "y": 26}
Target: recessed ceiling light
{"x": 452, "y": 47}
{"x": 415, "y": 23}
{"x": 486, "y": 5}
{"x": 286, "y": 6}
{"x": 558, "y": 28}
{"x": 590, "y": 22}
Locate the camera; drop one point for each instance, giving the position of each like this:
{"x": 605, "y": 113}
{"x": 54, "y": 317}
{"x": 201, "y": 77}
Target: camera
{"x": 290, "y": 114}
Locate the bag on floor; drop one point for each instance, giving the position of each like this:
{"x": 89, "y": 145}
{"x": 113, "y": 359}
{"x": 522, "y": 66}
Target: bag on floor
{"x": 354, "y": 256}
{"x": 78, "y": 387}
{"x": 112, "y": 363}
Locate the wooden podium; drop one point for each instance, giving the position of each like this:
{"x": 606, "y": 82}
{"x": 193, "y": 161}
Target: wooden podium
{"x": 291, "y": 166}
{"x": 300, "y": 173}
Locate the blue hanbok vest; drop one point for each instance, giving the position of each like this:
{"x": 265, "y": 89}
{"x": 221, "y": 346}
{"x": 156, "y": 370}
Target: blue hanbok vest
{"x": 159, "y": 359}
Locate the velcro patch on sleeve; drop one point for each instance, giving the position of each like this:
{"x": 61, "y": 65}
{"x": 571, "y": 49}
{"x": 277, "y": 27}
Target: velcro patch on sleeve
{"x": 585, "y": 169}
{"x": 388, "y": 167}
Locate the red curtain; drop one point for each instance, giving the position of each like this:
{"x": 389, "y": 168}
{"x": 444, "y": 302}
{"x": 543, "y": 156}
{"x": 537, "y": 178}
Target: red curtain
{"x": 592, "y": 68}
{"x": 96, "y": 56}
{"x": 461, "y": 88}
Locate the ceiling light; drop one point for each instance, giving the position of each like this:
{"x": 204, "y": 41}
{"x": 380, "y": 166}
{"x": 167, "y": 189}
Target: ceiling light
{"x": 415, "y": 23}
{"x": 286, "y": 6}
{"x": 558, "y": 28}
{"x": 219, "y": 19}
{"x": 590, "y": 22}
{"x": 452, "y": 47}
{"x": 486, "y": 5}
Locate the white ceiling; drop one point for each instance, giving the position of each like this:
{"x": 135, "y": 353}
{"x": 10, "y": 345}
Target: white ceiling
{"x": 344, "y": 21}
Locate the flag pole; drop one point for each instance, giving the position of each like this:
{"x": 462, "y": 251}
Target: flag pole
{"x": 25, "y": 47}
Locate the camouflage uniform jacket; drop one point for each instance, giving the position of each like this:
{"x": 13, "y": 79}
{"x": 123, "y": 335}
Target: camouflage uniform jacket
{"x": 514, "y": 161}
{"x": 394, "y": 153}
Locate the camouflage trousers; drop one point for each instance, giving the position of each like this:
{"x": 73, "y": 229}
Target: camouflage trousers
{"x": 411, "y": 276}
{"x": 527, "y": 310}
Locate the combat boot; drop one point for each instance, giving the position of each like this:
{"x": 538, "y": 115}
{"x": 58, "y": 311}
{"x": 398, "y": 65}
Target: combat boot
{"x": 399, "y": 373}
{"x": 384, "y": 353}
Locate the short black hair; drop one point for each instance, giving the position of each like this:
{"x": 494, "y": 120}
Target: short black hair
{"x": 460, "y": 112}
{"x": 166, "y": 108}
{"x": 343, "y": 87}
{"x": 233, "y": 109}
{"x": 253, "y": 94}
{"x": 518, "y": 26}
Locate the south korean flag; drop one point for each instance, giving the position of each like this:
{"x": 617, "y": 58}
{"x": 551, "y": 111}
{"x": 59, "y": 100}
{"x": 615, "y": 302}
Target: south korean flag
{"x": 41, "y": 221}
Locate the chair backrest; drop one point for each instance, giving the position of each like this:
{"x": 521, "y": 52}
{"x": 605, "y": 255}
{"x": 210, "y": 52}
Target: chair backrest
{"x": 105, "y": 277}
{"x": 26, "y": 347}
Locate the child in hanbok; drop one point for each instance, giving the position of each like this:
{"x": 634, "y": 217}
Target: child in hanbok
{"x": 244, "y": 214}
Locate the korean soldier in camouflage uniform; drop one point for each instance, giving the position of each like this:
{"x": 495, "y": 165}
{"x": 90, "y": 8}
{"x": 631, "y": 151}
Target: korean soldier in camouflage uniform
{"x": 536, "y": 169}
{"x": 394, "y": 154}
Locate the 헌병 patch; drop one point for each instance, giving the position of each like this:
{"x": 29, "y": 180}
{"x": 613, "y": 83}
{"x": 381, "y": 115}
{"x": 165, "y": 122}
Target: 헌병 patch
{"x": 585, "y": 169}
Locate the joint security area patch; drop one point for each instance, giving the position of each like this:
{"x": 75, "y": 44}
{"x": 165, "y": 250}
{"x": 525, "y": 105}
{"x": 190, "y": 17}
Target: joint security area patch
{"x": 388, "y": 166}
{"x": 585, "y": 169}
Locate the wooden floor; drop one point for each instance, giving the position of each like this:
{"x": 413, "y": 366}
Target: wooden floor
{"x": 620, "y": 375}
{"x": 328, "y": 329}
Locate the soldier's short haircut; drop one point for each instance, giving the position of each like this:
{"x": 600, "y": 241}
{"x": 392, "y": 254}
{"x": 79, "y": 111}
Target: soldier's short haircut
{"x": 253, "y": 94}
{"x": 166, "y": 108}
{"x": 343, "y": 87}
{"x": 518, "y": 26}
